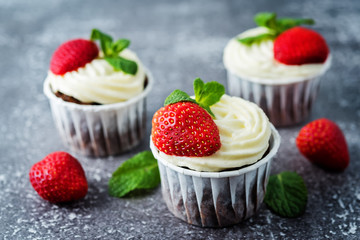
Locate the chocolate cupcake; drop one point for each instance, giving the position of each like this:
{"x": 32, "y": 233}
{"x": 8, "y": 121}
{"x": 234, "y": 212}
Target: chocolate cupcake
{"x": 277, "y": 65}
{"x": 214, "y": 168}
{"x": 98, "y": 98}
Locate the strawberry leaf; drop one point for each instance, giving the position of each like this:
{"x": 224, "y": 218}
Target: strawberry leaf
{"x": 178, "y": 96}
{"x": 139, "y": 172}
{"x": 122, "y": 64}
{"x": 286, "y": 194}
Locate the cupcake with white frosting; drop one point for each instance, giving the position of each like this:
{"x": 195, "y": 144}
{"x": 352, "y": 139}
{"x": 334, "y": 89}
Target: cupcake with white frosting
{"x": 214, "y": 153}
{"x": 278, "y": 66}
{"x": 98, "y": 97}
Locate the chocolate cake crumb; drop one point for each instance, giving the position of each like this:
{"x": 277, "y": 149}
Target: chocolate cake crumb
{"x": 68, "y": 98}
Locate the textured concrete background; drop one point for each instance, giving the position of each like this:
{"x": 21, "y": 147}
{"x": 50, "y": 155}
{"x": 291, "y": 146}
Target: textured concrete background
{"x": 178, "y": 41}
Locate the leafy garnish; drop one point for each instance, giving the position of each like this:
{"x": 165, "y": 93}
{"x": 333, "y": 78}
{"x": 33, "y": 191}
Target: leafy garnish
{"x": 256, "y": 39}
{"x": 286, "y": 194}
{"x": 287, "y": 23}
{"x": 123, "y": 64}
{"x": 266, "y": 19}
{"x": 111, "y": 52}
{"x": 206, "y": 95}
{"x": 178, "y": 96}
{"x": 274, "y": 25}
{"x": 139, "y": 172}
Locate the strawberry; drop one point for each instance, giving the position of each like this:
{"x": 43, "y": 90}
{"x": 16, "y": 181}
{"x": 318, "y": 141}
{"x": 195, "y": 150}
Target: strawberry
{"x": 184, "y": 126}
{"x": 72, "y": 55}
{"x": 59, "y": 177}
{"x": 185, "y": 129}
{"x": 323, "y": 143}
{"x": 300, "y": 45}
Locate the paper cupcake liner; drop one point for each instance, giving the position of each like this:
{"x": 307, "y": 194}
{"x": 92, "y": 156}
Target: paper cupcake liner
{"x": 100, "y": 130}
{"x": 286, "y": 103}
{"x": 216, "y": 199}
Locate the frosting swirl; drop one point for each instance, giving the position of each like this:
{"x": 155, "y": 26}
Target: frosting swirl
{"x": 98, "y": 82}
{"x": 257, "y": 60}
{"x": 244, "y": 133}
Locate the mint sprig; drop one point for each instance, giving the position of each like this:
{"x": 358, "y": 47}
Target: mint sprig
{"x": 256, "y": 39}
{"x": 274, "y": 25}
{"x": 139, "y": 172}
{"x": 206, "y": 95}
{"x": 111, "y": 52}
{"x": 286, "y": 194}
{"x": 178, "y": 96}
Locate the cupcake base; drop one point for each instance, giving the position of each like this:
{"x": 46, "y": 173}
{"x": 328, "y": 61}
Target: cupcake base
{"x": 284, "y": 104}
{"x": 216, "y": 199}
{"x": 100, "y": 130}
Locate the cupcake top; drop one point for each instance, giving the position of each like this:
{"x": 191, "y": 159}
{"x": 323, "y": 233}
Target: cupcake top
{"x": 79, "y": 70}
{"x": 277, "y": 50}
{"x": 99, "y": 82}
{"x": 243, "y": 132}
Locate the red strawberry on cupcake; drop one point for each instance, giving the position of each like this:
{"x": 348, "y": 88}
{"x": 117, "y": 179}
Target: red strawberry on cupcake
{"x": 300, "y": 45}
{"x": 72, "y": 55}
{"x": 184, "y": 126}
{"x": 58, "y": 178}
{"x": 323, "y": 143}
{"x": 293, "y": 45}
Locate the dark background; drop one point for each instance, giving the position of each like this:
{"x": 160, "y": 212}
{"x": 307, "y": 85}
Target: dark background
{"x": 178, "y": 41}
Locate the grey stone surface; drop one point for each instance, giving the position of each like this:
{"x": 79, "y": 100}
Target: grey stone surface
{"x": 178, "y": 41}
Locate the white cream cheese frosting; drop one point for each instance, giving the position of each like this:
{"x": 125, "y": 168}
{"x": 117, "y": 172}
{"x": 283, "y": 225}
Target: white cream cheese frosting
{"x": 257, "y": 60}
{"x": 244, "y": 134}
{"x": 98, "y": 82}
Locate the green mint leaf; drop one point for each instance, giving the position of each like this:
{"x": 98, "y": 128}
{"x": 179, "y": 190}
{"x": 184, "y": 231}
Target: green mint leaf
{"x": 206, "y": 94}
{"x": 284, "y": 24}
{"x": 111, "y": 51}
{"x": 266, "y": 19}
{"x": 275, "y": 26}
{"x": 209, "y": 93}
{"x": 120, "y": 45}
{"x": 178, "y": 96}
{"x": 105, "y": 41}
{"x": 256, "y": 39}
{"x": 96, "y": 34}
{"x": 198, "y": 86}
{"x": 108, "y": 51}
{"x": 286, "y": 194}
{"x": 122, "y": 64}
{"x": 139, "y": 172}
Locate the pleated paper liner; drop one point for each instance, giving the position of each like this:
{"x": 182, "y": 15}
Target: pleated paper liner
{"x": 285, "y": 102}
{"x": 100, "y": 130}
{"x": 216, "y": 199}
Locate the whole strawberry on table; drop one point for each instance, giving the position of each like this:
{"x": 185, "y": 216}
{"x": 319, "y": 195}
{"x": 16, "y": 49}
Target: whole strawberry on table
{"x": 323, "y": 143}
{"x": 58, "y": 178}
